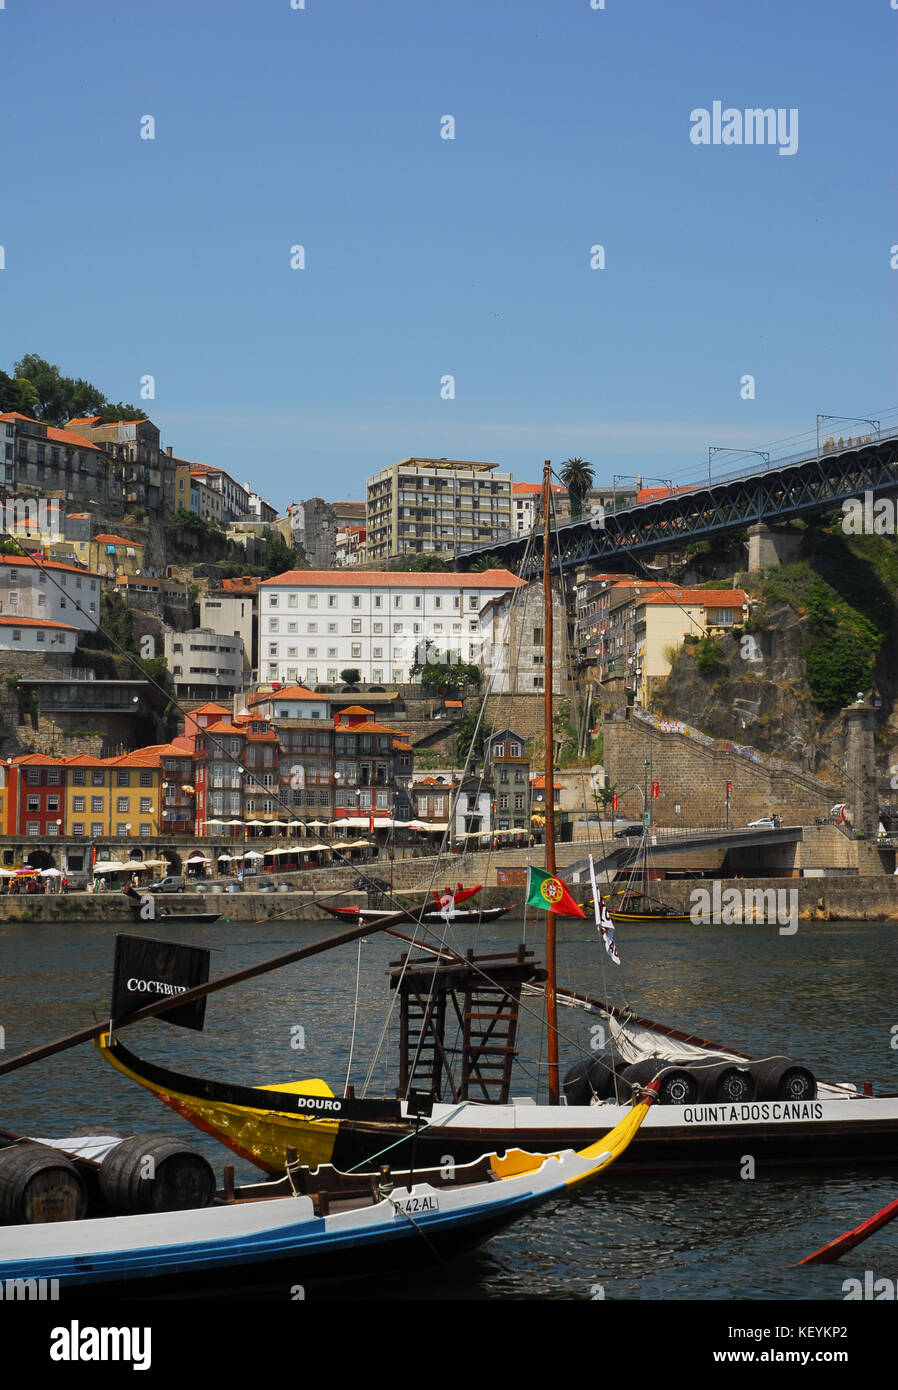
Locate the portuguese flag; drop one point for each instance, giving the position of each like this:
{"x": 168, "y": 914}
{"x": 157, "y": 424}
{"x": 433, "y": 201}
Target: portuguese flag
{"x": 548, "y": 892}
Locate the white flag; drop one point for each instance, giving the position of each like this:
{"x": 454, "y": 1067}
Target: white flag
{"x": 603, "y": 917}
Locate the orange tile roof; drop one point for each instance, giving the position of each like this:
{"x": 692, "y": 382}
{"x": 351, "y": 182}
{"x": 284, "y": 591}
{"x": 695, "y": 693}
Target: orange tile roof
{"x": 356, "y": 709}
{"x": 402, "y": 747}
{"x": 369, "y": 726}
{"x": 139, "y": 757}
{"x": 223, "y": 727}
{"x": 394, "y": 579}
{"x": 713, "y": 598}
{"x": 116, "y": 540}
{"x": 70, "y": 437}
{"x": 540, "y": 782}
{"x": 289, "y": 692}
{"x": 19, "y": 560}
{"x": 36, "y": 622}
{"x": 43, "y": 758}
{"x": 84, "y": 420}
{"x": 210, "y": 708}
{"x": 84, "y": 760}
{"x": 529, "y": 489}
{"x": 243, "y": 581}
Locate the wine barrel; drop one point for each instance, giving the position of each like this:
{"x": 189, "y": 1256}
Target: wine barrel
{"x": 39, "y": 1184}
{"x": 720, "y": 1079}
{"x": 677, "y": 1086}
{"x": 591, "y": 1077}
{"x": 779, "y": 1078}
{"x": 153, "y": 1172}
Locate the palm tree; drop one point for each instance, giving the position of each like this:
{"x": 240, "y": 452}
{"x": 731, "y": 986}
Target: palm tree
{"x": 577, "y": 476}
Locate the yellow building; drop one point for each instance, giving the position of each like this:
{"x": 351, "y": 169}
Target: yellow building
{"x": 114, "y": 797}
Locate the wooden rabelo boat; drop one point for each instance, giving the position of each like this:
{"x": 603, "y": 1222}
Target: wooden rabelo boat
{"x": 715, "y": 1101}
{"x": 306, "y": 1227}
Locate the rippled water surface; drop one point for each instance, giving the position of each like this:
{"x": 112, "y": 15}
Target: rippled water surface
{"x": 825, "y": 996}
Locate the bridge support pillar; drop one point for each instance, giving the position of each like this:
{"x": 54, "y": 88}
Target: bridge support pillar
{"x": 767, "y": 547}
{"x": 860, "y": 766}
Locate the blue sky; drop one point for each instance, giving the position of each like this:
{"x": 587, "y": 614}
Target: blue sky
{"x": 469, "y": 257}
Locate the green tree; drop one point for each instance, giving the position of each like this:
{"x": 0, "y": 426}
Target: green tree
{"x": 467, "y": 730}
{"x": 278, "y": 556}
{"x": 351, "y": 676}
{"x": 577, "y": 476}
{"x": 55, "y": 398}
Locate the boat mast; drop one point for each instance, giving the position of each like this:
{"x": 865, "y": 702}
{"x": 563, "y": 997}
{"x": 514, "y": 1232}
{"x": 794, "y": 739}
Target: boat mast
{"x": 551, "y": 1002}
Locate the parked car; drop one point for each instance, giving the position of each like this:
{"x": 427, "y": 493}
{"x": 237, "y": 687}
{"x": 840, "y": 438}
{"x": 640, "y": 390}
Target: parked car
{"x": 766, "y": 823}
{"x": 266, "y": 888}
{"x": 627, "y": 831}
{"x": 172, "y": 883}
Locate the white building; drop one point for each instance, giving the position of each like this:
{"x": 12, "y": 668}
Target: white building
{"x": 36, "y": 635}
{"x": 205, "y": 665}
{"x": 50, "y": 591}
{"x": 231, "y": 615}
{"x": 315, "y": 623}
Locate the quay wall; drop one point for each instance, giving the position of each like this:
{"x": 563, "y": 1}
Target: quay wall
{"x": 834, "y": 898}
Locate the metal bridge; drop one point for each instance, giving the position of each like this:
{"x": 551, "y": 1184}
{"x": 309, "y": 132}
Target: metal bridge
{"x": 789, "y": 488}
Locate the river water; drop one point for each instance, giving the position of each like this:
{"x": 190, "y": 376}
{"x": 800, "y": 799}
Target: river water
{"x": 824, "y": 996}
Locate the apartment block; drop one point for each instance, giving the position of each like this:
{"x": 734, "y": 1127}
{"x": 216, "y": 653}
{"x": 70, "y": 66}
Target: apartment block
{"x": 437, "y": 507}
{"x": 315, "y": 623}
{"x": 203, "y": 664}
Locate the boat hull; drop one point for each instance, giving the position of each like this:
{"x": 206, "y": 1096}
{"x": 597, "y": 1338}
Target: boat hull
{"x": 859, "y": 1129}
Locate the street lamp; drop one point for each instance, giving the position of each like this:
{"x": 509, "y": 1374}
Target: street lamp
{"x": 725, "y": 449}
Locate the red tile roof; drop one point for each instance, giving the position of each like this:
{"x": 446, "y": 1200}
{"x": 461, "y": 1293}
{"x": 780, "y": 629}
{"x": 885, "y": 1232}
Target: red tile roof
{"x": 530, "y": 489}
{"x": 210, "y": 708}
{"x": 116, "y": 540}
{"x": 223, "y": 727}
{"x": 393, "y": 579}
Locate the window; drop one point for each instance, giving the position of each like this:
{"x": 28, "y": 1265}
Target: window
{"x": 78, "y": 804}
{"x": 52, "y": 803}
{"x": 145, "y": 829}
{"x": 438, "y": 602}
{"x": 356, "y": 600}
{"x": 397, "y": 675}
{"x": 537, "y": 637}
{"x": 472, "y": 603}
{"x": 96, "y": 827}
{"x": 145, "y": 777}
{"x": 397, "y": 601}
{"x": 291, "y": 600}
{"x": 378, "y": 627}
{"x": 356, "y": 649}
{"x": 356, "y": 625}
{"x": 378, "y": 601}
{"x": 273, "y": 649}
{"x": 312, "y": 627}
{"x": 273, "y": 624}
{"x": 121, "y": 828}
{"x": 96, "y": 804}
{"x": 34, "y": 803}
{"x": 377, "y": 652}
{"x": 515, "y": 750}
{"x": 54, "y": 777}
{"x": 291, "y": 627}
{"x": 146, "y": 805}
{"x": 377, "y": 675}
{"x": 96, "y": 778}
{"x": 122, "y": 805}
{"x": 33, "y": 827}
{"x": 33, "y": 778}
{"x": 332, "y": 627}
{"x": 537, "y": 682}
{"x": 313, "y": 600}
{"x": 519, "y": 801}
{"x": 78, "y": 827}
{"x": 312, "y": 674}
{"x": 273, "y": 601}
{"x": 123, "y": 779}
{"x": 397, "y": 627}
{"x": 311, "y": 651}
{"x": 332, "y": 600}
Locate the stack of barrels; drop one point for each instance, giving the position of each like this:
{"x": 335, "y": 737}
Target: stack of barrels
{"x": 146, "y": 1173}
{"x": 701, "y": 1081}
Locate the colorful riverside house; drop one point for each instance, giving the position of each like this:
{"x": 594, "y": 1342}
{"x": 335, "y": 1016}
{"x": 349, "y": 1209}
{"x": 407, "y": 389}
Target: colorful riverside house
{"x": 218, "y": 753}
{"x": 261, "y": 796}
{"x": 87, "y": 796}
{"x": 178, "y": 787}
{"x": 35, "y": 800}
{"x": 305, "y": 734}
{"x": 135, "y": 793}
{"x": 371, "y": 763}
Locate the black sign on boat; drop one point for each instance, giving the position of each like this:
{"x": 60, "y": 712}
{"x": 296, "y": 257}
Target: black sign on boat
{"x": 147, "y": 970}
